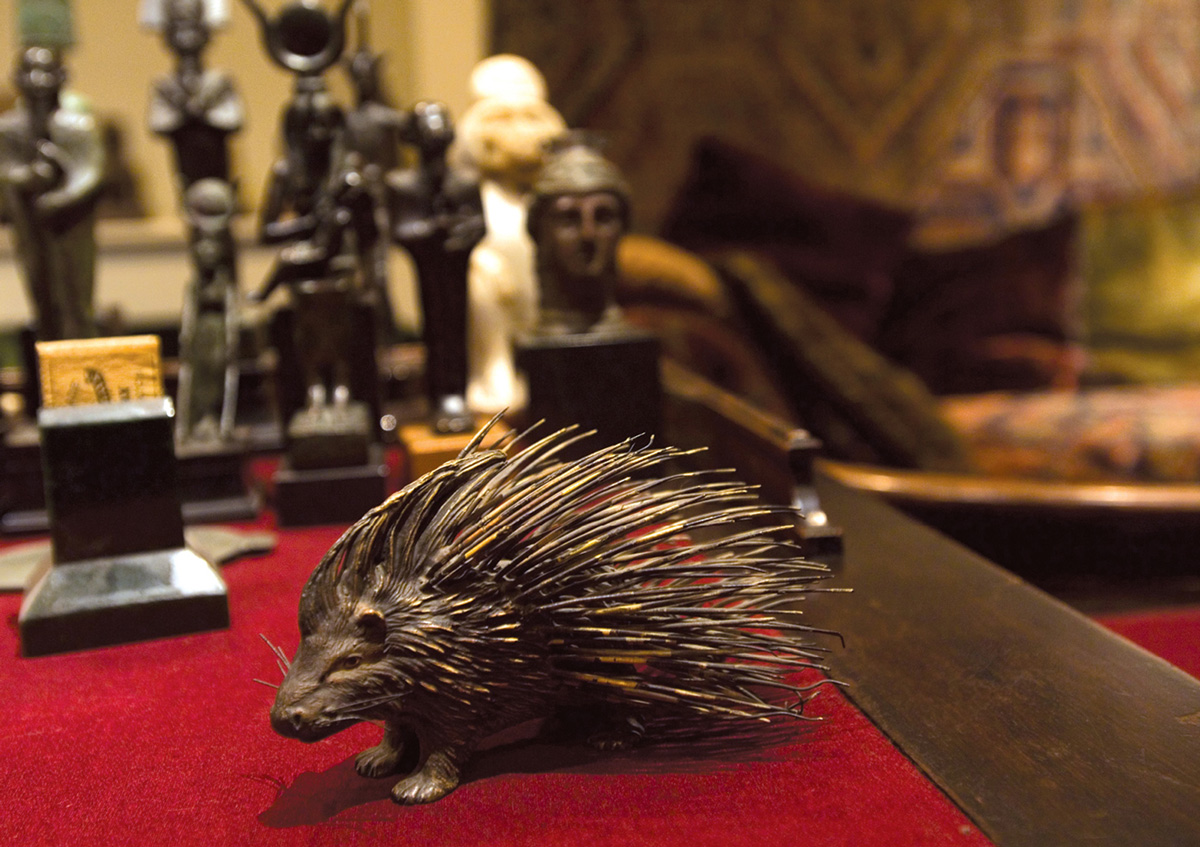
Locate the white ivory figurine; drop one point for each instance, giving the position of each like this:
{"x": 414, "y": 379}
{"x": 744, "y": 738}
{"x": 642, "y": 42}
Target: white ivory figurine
{"x": 503, "y": 136}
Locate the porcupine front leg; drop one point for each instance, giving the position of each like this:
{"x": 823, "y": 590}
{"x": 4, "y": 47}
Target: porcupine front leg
{"x": 437, "y": 777}
{"x": 385, "y": 757}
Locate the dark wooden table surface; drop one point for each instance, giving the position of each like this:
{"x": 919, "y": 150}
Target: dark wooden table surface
{"x": 1045, "y": 728}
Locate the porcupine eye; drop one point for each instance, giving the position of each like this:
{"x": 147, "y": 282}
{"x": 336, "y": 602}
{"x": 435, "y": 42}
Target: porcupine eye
{"x": 349, "y": 663}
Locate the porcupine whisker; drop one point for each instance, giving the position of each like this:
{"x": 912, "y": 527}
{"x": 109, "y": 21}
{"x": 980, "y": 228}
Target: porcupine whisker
{"x": 279, "y": 654}
{"x": 281, "y": 660}
{"x": 363, "y": 705}
{"x": 268, "y": 684}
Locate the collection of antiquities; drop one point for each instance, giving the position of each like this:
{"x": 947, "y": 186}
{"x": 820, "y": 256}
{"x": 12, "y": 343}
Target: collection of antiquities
{"x": 513, "y": 234}
{"x": 511, "y": 224}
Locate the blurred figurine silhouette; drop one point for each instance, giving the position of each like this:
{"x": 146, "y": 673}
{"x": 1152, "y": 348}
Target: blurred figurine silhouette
{"x": 437, "y": 216}
{"x": 503, "y": 136}
{"x": 319, "y": 271}
{"x": 208, "y": 362}
{"x": 52, "y": 172}
{"x": 305, "y": 40}
{"x": 195, "y": 108}
{"x": 374, "y": 131}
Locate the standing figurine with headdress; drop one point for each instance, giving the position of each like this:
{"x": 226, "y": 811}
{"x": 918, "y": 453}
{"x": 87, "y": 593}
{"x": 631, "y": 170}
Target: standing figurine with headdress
{"x": 196, "y": 108}
{"x": 374, "y": 128}
{"x": 305, "y": 40}
{"x": 437, "y": 216}
{"x": 52, "y": 173}
{"x": 319, "y": 271}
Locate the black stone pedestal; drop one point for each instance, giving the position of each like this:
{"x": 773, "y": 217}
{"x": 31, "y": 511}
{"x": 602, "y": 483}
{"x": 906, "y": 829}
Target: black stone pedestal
{"x": 606, "y": 381}
{"x": 121, "y": 571}
{"x": 820, "y": 539}
{"x": 310, "y": 497}
{"x": 120, "y": 599}
{"x": 22, "y": 490}
{"x": 212, "y": 484}
{"x": 330, "y": 436}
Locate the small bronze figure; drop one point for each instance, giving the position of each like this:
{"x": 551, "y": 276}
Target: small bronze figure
{"x": 581, "y": 353}
{"x": 196, "y": 108}
{"x": 374, "y": 129}
{"x": 579, "y": 213}
{"x": 208, "y": 338}
{"x": 504, "y": 587}
{"x": 312, "y": 123}
{"x": 437, "y": 216}
{"x": 52, "y": 172}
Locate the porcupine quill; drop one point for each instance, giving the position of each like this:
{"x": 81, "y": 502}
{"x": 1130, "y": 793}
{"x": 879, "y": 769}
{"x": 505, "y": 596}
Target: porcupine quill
{"x": 509, "y": 585}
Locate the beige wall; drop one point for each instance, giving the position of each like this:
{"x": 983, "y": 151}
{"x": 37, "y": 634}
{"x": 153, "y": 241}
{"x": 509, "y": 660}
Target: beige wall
{"x": 431, "y": 46}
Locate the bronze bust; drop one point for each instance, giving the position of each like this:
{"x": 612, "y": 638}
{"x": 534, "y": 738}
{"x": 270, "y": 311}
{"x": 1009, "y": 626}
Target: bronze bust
{"x": 579, "y": 213}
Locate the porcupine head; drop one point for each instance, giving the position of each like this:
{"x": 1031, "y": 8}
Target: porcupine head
{"x": 395, "y": 657}
{"x": 499, "y": 589}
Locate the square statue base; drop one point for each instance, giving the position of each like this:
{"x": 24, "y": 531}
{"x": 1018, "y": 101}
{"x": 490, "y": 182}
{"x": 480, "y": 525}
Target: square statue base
{"x": 121, "y": 599}
{"x": 425, "y": 450}
{"x": 22, "y": 490}
{"x": 330, "y": 437}
{"x": 310, "y": 497}
{"x": 212, "y": 484}
{"x": 606, "y": 381}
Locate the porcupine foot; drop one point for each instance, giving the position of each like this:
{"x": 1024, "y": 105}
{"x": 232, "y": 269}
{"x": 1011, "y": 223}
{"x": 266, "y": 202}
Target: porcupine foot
{"x": 386, "y": 757}
{"x": 436, "y": 778}
{"x": 378, "y": 761}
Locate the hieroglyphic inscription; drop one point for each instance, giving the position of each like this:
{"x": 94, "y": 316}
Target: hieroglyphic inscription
{"x": 100, "y": 370}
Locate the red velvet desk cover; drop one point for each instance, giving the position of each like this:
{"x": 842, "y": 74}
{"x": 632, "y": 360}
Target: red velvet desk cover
{"x": 1171, "y": 633}
{"x": 167, "y": 742}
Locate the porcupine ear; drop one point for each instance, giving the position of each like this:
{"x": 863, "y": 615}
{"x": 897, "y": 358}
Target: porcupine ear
{"x": 371, "y": 624}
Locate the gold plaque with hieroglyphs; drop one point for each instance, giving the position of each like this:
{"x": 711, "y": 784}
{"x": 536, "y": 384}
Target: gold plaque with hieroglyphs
{"x": 100, "y": 370}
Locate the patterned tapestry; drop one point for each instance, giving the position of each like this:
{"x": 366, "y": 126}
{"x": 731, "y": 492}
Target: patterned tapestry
{"x": 980, "y": 115}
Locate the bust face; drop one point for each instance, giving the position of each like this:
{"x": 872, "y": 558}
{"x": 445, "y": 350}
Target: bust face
{"x": 582, "y": 231}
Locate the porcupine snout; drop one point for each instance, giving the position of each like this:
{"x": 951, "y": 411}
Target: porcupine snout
{"x": 305, "y": 709}
{"x": 308, "y": 720}
{"x": 289, "y": 720}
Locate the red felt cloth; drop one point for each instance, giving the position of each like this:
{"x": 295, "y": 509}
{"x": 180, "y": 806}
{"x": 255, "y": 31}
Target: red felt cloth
{"x": 167, "y": 743}
{"x": 1172, "y": 634}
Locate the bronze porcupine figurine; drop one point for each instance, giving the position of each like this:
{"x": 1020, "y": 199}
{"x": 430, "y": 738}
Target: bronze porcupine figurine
{"x": 501, "y": 588}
